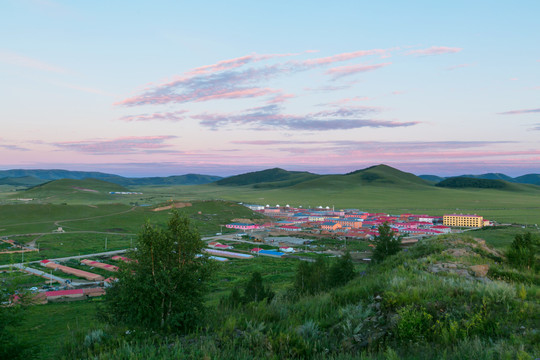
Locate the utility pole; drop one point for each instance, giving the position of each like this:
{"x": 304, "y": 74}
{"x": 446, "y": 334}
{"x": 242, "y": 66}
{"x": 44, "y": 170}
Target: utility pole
{"x": 105, "y": 243}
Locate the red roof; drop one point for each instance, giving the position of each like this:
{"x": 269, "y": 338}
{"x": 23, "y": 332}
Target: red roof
{"x": 64, "y": 292}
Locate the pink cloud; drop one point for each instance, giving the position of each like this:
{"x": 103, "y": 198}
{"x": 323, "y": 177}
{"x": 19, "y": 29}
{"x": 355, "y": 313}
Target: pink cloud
{"x": 523, "y": 111}
{"x": 341, "y": 71}
{"x": 434, "y": 50}
{"x": 124, "y": 145}
{"x": 169, "y": 116}
{"x": 233, "y": 63}
{"x": 281, "y": 98}
{"x": 270, "y": 117}
{"x": 343, "y": 57}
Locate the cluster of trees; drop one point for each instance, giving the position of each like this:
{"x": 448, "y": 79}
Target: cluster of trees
{"x": 524, "y": 252}
{"x": 253, "y": 291}
{"x": 164, "y": 287}
{"x": 318, "y": 276}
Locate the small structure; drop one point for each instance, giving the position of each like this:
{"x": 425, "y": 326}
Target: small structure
{"x": 242, "y": 226}
{"x": 228, "y": 254}
{"x": 99, "y": 265}
{"x": 68, "y": 270}
{"x": 271, "y": 253}
{"x": 121, "y": 258}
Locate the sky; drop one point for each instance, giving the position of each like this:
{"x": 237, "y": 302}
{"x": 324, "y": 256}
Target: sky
{"x": 158, "y": 88}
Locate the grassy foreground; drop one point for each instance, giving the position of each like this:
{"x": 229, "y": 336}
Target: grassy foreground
{"x": 430, "y": 302}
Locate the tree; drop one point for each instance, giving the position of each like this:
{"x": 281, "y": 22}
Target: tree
{"x": 523, "y": 251}
{"x": 256, "y": 291}
{"x": 387, "y": 243}
{"x": 312, "y": 278}
{"x": 164, "y": 287}
{"x": 342, "y": 270}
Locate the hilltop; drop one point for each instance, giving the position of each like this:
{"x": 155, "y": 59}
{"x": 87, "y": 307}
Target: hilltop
{"x": 270, "y": 178}
{"x": 533, "y": 179}
{"x": 379, "y": 175}
{"x": 33, "y": 177}
{"x": 72, "y": 190}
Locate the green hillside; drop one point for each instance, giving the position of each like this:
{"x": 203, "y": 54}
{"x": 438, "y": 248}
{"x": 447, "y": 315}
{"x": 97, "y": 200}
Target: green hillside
{"x": 56, "y": 174}
{"x": 21, "y": 181}
{"x": 465, "y": 182}
{"x": 72, "y": 191}
{"x": 271, "y": 178}
{"x": 379, "y": 176}
{"x": 529, "y": 179}
{"x": 432, "y": 178}
{"x": 491, "y": 176}
{"x": 188, "y": 179}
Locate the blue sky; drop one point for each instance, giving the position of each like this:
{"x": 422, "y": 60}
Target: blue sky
{"x": 162, "y": 88}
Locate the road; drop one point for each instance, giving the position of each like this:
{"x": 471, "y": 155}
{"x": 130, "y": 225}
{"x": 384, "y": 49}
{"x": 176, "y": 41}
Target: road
{"x": 106, "y": 253}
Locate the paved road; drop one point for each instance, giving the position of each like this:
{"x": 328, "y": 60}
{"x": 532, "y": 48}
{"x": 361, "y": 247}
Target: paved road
{"x": 106, "y": 253}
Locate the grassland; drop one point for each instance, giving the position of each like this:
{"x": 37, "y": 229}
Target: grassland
{"x": 425, "y": 303}
{"x": 522, "y": 207}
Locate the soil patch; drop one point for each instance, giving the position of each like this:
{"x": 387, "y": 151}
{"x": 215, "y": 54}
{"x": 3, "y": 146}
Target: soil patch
{"x": 175, "y": 205}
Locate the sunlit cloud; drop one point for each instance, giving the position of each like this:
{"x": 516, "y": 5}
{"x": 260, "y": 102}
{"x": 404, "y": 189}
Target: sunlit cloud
{"x": 233, "y": 79}
{"x": 345, "y": 101}
{"x": 124, "y": 145}
{"x": 233, "y": 63}
{"x": 13, "y": 147}
{"x": 341, "y": 71}
{"x": 167, "y": 116}
{"x": 519, "y": 112}
{"x": 434, "y": 50}
{"x": 271, "y": 117}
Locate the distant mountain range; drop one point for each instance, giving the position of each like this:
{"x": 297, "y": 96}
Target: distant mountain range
{"x": 279, "y": 178}
{"x": 533, "y": 179}
{"x": 20, "y": 177}
{"x": 379, "y": 175}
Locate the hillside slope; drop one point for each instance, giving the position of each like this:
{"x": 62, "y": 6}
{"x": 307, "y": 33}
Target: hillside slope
{"x": 270, "y": 178}
{"x": 56, "y": 174}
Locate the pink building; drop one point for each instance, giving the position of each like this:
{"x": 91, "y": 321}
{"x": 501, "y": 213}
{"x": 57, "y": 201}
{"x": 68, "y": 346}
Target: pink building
{"x": 242, "y": 226}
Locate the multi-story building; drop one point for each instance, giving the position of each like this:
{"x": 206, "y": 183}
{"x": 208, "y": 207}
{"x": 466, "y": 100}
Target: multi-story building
{"x": 463, "y": 220}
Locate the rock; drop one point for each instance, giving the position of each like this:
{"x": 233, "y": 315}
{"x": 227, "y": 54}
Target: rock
{"x": 480, "y": 270}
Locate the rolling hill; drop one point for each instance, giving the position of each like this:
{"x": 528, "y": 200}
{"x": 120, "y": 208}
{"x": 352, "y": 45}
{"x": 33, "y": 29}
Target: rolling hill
{"x": 271, "y": 178}
{"x": 529, "y": 179}
{"x": 380, "y": 175}
{"x": 533, "y": 179}
{"x": 22, "y": 181}
{"x": 72, "y": 190}
{"x": 26, "y": 177}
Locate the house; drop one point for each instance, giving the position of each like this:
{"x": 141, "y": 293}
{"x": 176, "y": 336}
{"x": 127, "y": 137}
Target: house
{"x": 255, "y": 250}
{"x": 271, "y": 253}
{"x": 472, "y": 221}
{"x": 330, "y": 226}
{"x": 443, "y": 229}
{"x": 286, "y": 249}
{"x": 242, "y": 226}
{"x": 290, "y": 228}
{"x": 99, "y": 265}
